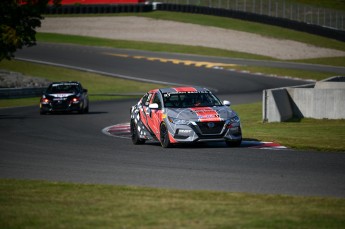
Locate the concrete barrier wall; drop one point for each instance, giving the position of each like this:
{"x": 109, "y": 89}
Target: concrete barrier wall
{"x": 318, "y": 103}
{"x": 276, "y": 105}
{"x": 325, "y": 100}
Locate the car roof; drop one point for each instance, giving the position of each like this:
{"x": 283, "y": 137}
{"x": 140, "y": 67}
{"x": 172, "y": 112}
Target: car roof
{"x": 183, "y": 89}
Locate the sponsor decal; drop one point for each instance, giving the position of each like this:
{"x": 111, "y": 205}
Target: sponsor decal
{"x": 206, "y": 114}
{"x": 61, "y": 95}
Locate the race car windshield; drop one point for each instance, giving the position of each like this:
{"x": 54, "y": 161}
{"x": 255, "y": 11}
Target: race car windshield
{"x": 62, "y": 88}
{"x": 190, "y": 99}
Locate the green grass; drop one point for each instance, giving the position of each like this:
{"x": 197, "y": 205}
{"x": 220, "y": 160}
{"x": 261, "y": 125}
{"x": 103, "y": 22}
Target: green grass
{"x": 332, "y": 61}
{"x": 285, "y": 72}
{"x": 38, "y": 204}
{"x": 305, "y": 134}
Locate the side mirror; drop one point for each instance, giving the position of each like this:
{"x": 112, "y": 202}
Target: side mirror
{"x": 153, "y": 106}
{"x": 226, "y": 103}
{"x": 85, "y": 90}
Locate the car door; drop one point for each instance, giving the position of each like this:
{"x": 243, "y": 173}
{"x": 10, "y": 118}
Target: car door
{"x": 143, "y": 112}
{"x": 154, "y": 115}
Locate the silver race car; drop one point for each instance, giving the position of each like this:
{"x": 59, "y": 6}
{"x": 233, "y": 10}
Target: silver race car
{"x": 184, "y": 115}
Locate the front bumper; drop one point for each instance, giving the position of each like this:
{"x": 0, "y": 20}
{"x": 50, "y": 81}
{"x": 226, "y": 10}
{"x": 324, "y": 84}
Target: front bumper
{"x": 206, "y": 131}
{"x": 64, "y": 106}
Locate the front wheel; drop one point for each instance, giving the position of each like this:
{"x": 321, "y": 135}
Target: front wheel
{"x": 42, "y": 112}
{"x": 86, "y": 110}
{"x": 164, "y": 136}
{"x": 135, "y": 135}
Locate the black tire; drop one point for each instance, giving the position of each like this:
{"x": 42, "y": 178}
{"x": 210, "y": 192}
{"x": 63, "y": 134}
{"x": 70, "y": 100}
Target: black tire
{"x": 42, "y": 112}
{"x": 86, "y": 110}
{"x": 164, "y": 136}
{"x": 134, "y": 134}
{"x": 234, "y": 143}
{"x": 81, "y": 110}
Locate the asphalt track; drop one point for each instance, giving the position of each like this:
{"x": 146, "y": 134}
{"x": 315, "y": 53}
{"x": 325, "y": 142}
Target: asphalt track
{"x": 73, "y": 148}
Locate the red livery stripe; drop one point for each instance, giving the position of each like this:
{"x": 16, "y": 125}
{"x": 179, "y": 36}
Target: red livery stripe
{"x": 185, "y": 89}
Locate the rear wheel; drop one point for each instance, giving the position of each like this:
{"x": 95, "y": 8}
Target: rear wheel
{"x": 135, "y": 135}
{"x": 164, "y": 136}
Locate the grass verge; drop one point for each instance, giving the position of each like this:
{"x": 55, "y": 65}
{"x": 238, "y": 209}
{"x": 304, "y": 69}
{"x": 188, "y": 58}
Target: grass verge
{"x": 38, "y": 204}
{"x": 305, "y": 134}
{"x": 285, "y": 72}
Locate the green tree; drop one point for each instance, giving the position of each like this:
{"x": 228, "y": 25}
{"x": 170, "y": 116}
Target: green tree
{"x": 18, "y": 21}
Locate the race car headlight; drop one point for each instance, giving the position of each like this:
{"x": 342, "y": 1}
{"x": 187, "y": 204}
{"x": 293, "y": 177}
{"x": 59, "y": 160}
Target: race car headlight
{"x": 235, "y": 119}
{"x": 178, "y": 121}
{"x": 45, "y": 100}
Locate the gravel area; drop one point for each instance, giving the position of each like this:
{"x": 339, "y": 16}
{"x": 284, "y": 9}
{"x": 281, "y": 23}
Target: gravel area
{"x": 169, "y": 32}
{"x": 17, "y": 80}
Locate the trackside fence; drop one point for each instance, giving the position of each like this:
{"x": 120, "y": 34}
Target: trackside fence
{"x": 276, "y": 8}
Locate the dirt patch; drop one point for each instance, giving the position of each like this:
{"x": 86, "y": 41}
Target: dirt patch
{"x": 169, "y": 32}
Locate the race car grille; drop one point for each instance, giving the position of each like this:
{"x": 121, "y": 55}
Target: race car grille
{"x": 60, "y": 105}
{"x": 210, "y": 127}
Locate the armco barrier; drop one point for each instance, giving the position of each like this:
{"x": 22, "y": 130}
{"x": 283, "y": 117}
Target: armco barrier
{"x": 13, "y": 93}
{"x": 99, "y": 9}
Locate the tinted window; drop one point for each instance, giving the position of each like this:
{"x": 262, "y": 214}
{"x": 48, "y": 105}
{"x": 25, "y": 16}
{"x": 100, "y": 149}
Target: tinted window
{"x": 63, "y": 88}
{"x": 157, "y": 100}
{"x": 190, "y": 99}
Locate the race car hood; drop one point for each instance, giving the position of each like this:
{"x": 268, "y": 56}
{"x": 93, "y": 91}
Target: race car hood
{"x": 201, "y": 114}
{"x": 60, "y": 95}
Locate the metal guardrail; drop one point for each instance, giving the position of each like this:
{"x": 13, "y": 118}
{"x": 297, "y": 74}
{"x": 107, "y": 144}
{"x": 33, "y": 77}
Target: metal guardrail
{"x": 14, "y": 93}
{"x": 99, "y": 9}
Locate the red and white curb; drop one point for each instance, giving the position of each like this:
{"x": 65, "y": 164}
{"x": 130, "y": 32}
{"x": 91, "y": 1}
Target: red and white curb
{"x": 122, "y": 130}
{"x": 119, "y": 130}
